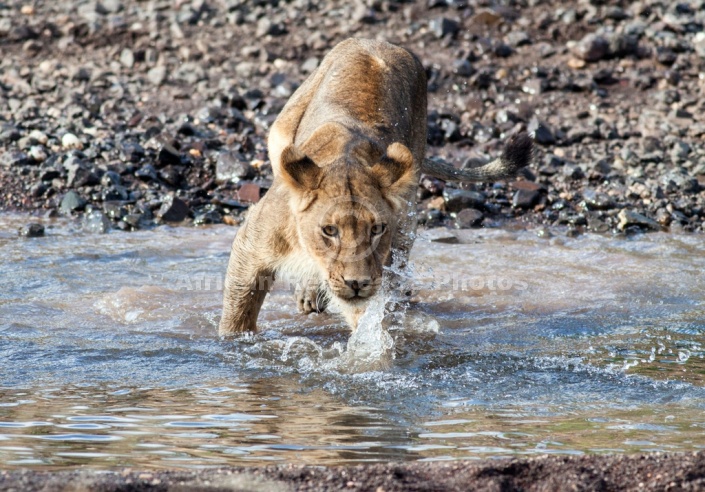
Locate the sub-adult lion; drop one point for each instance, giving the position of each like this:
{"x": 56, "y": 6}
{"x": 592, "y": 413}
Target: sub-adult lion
{"x": 347, "y": 151}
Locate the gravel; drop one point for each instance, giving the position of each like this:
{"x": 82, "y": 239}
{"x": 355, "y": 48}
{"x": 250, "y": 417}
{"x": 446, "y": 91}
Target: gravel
{"x": 176, "y": 99}
{"x": 653, "y": 472}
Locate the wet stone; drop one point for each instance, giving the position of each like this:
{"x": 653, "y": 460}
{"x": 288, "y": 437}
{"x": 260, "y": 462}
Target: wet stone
{"x": 95, "y": 222}
{"x": 146, "y": 173}
{"x": 71, "y": 202}
{"x": 628, "y": 218}
{"x": 457, "y": 200}
{"x": 32, "y": 230}
{"x": 209, "y": 217}
{"x": 597, "y": 201}
{"x": 525, "y": 199}
{"x": 232, "y": 166}
{"x": 173, "y": 209}
{"x": 468, "y": 218}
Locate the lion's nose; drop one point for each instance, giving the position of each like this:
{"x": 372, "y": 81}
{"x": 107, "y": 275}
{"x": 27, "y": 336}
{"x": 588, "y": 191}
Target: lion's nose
{"x": 358, "y": 284}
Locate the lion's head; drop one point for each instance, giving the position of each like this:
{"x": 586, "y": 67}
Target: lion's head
{"x": 348, "y": 196}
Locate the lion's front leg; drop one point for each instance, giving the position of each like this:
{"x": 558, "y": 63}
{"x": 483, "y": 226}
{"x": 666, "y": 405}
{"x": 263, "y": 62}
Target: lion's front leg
{"x": 247, "y": 283}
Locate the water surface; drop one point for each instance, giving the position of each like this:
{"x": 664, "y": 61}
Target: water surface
{"x": 513, "y": 345}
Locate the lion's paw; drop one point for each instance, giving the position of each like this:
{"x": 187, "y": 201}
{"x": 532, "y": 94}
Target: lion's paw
{"x": 311, "y": 300}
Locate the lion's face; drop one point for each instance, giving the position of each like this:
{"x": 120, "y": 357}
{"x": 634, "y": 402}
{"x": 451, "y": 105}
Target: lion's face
{"x": 347, "y": 215}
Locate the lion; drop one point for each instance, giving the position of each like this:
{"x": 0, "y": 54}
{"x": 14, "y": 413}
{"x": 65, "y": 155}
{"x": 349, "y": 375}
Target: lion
{"x": 347, "y": 152}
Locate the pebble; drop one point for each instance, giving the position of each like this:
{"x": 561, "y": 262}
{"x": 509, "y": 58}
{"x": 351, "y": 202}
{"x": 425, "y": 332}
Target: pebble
{"x": 157, "y": 75}
{"x": 231, "y": 166}
{"x": 468, "y": 218}
{"x": 456, "y": 200}
{"x": 71, "y": 202}
{"x": 95, "y": 222}
{"x": 443, "y": 26}
{"x": 591, "y": 48}
{"x": 525, "y": 199}
{"x": 71, "y": 141}
{"x": 32, "y": 230}
{"x": 629, "y": 218}
{"x": 173, "y": 209}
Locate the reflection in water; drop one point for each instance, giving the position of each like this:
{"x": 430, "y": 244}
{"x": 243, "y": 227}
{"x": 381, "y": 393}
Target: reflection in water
{"x": 512, "y": 345}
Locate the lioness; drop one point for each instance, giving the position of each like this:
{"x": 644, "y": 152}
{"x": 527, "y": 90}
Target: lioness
{"x": 346, "y": 152}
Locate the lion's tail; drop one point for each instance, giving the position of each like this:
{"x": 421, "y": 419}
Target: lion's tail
{"x": 516, "y": 155}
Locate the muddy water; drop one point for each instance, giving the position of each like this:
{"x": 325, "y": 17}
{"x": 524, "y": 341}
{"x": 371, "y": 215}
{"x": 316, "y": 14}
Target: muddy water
{"x": 513, "y": 345}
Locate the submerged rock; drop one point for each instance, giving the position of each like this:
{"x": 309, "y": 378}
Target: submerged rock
{"x": 32, "y": 230}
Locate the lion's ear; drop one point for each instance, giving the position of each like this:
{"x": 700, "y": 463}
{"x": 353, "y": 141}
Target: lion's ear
{"x": 299, "y": 171}
{"x": 395, "y": 172}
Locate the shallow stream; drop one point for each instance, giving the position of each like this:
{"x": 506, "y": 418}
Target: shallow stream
{"x": 514, "y": 344}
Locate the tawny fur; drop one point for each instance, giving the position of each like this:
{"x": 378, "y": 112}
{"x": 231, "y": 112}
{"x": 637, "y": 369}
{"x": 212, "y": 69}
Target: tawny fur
{"x": 347, "y": 151}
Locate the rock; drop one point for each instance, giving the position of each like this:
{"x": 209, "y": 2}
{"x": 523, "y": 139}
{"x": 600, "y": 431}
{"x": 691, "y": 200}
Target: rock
{"x": 597, "y": 201}
{"x": 14, "y": 158}
{"x": 172, "y": 175}
{"x": 131, "y": 151}
{"x": 678, "y": 180}
{"x": 443, "y": 26}
{"x": 115, "y": 193}
{"x": 699, "y": 44}
{"x": 32, "y": 230}
{"x": 110, "y": 178}
{"x": 157, "y": 75}
{"x": 265, "y": 27}
{"x": 457, "y": 200}
{"x": 167, "y": 154}
{"x": 463, "y": 68}
{"x": 80, "y": 173}
{"x": 591, "y": 48}
{"x": 540, "y": 132}
{"x": 146, "y": 173}
{"x": 517, "y": 38}
{"x": 173, "y": 209}
{"x": 525, "y": 199}
{"x": 468, "y": 217}
{"x": 38, "y": 137}
{"x": 127, "y": 58}
{"x": 71, "y": 202}
{"x": 95, "y": 222}
{"x": 629, "y": 218}
{"x": 209, "y": 217}
{"x": 38, "y": 153}
{"x": 310, "y": 65}
{"x": 232, "y": 166}
{"x": 249, "y": 193}
{"x": 71, "y": 141}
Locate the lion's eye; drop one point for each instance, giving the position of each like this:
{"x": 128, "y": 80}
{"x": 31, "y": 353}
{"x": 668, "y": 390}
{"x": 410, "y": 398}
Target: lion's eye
{"x": 378, "y": 229}
{"x": 330, "y": 231}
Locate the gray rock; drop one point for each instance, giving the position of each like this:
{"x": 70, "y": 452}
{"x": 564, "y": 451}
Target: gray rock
{"x": 146, "y": 173}
{"x": 468, "y": 218}
{"x": 457, "y": 200}
{"x": 597, "y": 201}
{"x": 443, "y": 26}
{"x": 96, "y": 223}
{"x": 14, "y": 158}
{"x": 157, "y": 75}
{"x": 110, "y": 178}
{"x": 38, "y": 153}
{"x": 310, "y": 65}
{"x": 628, "y": 218}
{"x": 265, "y": 27}
{"x": 232, "y": 166}
{"x": 71, "y": 202}
{"x": 127, "y": 57}
{"x": 463, "y": 68}
{"x": 32, "y": 230}
{"x": 591, "y": 48}
{"x": 173, "y": 209}
{"x": 540, "y": 132}
{"x": 678, "y": 180}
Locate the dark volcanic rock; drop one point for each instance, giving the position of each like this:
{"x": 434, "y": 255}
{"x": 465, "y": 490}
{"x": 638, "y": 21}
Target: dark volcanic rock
{"x": 32, "y": 230}
{"x": 525, "y": 198}
{"x": 173, "y": 209}
{"x": 457, "y": 200}
{"x": 231, "y": 166}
